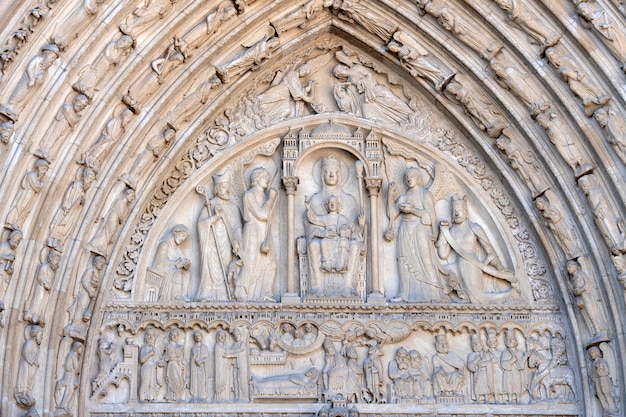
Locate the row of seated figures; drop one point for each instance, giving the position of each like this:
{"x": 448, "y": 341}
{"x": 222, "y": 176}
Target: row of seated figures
{"x": 333, "y": 220}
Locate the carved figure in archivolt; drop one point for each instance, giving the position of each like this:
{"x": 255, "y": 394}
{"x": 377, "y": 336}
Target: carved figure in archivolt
{"x": 576, "y": 79}
{"x": 486, "y": 116}
{"x": 256, "y": 280}
{"x": 92, "y": 74}
{"x": 27, "y": 366}
{"x": 154, "y": 149}
{"x": 199, "y": 365}
{"x": 148, "y": 360}
{"x": 514, "y": 365}
{"x": 587, "y": 299}
{"x": 479, "y": 41}
{"x": 66, "y": 119}
{"x": 221, "y": 241}
{"x": 301, "y": 17}
{"x": 65, "y": 390}
{"x": 525, "y": 18}
{"x": 417, "y": 60}
{"x": 355, "y": 11}
{"x": 524, "y": 162}
{"x": 187, "y": 108}
{"x": 224, "y": 11}
{"x": 448, "y": 369}
{"x": 7, "y": 259}
{"x": 73, "y": 199}
{"x": 174, "y": 56}
{"x": 606, "y": 28}
{"x": 610, "y": 225}
{"x": 175, "y": 365}
{"x": 517, "y": 81}
{"x": 145, "y": 16}
{"x": 475, "y": 271}
{"x": 361, "y": 94}
{"x": 110, "y": 222}
{"x": 614, "y": 130}
{"x": 172, "y": 265}
{"x": 417, "y": 231}
{"x": 565, "y": 142}
{"x": 32, "y": 183}
{"x": 6, "y": 132}
{"x": 334, "y": 229}
{"x": 82, "y": 307}
{"x": 113, "y": 130}
{"x": 561, "y": 227}
{"x": 604, "y": 384}
{"x": 250, "y": 59}
{"x": 287, "y": 97}
{"x": 36, "y": 305}
{"x": 33, "y": 76}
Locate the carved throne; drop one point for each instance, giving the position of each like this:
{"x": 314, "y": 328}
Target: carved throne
{"x": 333, "y": 282}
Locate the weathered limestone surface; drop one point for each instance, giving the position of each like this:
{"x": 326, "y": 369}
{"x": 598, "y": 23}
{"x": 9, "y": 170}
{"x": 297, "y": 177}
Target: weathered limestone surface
{"x": 312, "y": 208}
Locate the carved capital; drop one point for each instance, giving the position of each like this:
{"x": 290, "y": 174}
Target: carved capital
{"x": 373, "y": 185}
{"x": 291, "y": 184}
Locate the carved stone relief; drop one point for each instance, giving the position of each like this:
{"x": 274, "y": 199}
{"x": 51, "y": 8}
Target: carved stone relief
{"x": 315, "y": 234}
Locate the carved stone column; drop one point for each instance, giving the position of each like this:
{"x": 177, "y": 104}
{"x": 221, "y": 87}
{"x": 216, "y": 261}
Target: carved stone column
{"x": 373, "y": 185}
{"x": 291, "y": 185}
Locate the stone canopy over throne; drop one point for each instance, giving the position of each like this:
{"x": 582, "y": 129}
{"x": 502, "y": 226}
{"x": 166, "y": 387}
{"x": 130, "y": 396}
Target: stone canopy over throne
{"x": 332, "y": 252}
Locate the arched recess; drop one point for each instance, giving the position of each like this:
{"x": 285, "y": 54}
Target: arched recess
{"x": 473, "y": 103}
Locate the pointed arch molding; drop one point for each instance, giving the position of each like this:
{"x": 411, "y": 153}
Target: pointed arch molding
{"x": 112, "y": 113}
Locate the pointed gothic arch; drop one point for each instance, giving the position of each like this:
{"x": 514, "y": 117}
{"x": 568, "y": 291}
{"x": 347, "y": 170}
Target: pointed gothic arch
{"x": 111, "y": 112}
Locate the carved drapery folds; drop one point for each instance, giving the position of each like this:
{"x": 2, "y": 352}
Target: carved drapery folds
{"x": 244, "y": 361}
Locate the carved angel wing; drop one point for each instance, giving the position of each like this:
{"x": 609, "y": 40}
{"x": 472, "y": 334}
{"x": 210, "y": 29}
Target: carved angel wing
{"x": 393, "y": 332}
{"x": 394, "y": 167}
{"x": 319, "y": 61}
{"x": 444, "y": 184}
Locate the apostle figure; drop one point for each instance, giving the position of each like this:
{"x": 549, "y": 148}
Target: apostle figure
{"x": 199, "y": 369}
{"x": 148, "y": 360}
{"x": 224, "y": 389}
{"x": 448, "y": 369}
{"x": 175, "y": 364}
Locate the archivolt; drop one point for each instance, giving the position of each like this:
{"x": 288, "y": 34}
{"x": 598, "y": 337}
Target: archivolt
{"x": 88, "y": 31}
